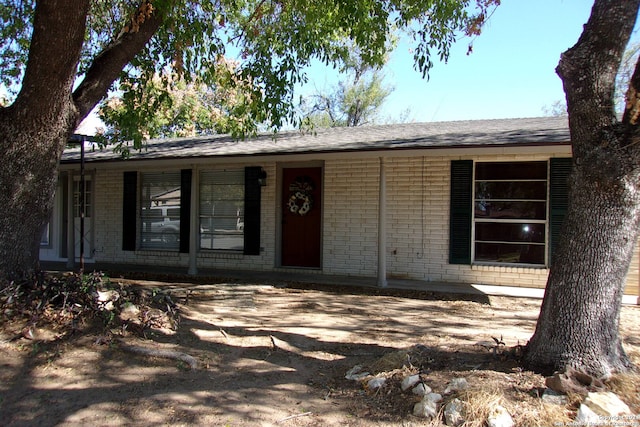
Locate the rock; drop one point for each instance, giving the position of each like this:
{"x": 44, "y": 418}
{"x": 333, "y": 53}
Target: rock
{"x": 573, "y": 381}
{"x": 456, "y": 384}
{"x": 434, "y": 397}
{"x": 409, "y": 382}
{"x": 376, "y": 383}
{"x": 453, "y": 413}
{"x": 421, "y": 389}
{"x": 554, "y": 398}
{"x": 129, "y": 312}
{"x": 499, "y": 417}
{"x": 586, "y": 416}
{"x": 606, "y": 404}
{"x": 354, "y": 373}
{"x": 425, "y": 409}
{"x": 104, "y": 296}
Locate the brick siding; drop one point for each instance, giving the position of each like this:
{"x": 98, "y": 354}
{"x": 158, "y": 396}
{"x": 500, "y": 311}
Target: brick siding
{"x": 417, "y": 224}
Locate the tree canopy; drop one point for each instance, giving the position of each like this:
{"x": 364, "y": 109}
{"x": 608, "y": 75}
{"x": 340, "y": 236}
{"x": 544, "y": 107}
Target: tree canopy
{"x": 273, "y": 41}
{"x": 176, "y": 107}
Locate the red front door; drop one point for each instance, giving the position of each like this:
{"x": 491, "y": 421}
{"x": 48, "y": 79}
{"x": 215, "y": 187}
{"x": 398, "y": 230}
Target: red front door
{"x": 301, "y": 216}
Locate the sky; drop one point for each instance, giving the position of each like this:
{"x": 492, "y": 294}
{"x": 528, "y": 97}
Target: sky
{"x": 510, "y": 74}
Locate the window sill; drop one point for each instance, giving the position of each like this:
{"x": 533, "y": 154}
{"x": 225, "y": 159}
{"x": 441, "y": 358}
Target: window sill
{"x": 217, "y": 253}
{"x": 496, "y": 265}
{"x": 156, "y": 252}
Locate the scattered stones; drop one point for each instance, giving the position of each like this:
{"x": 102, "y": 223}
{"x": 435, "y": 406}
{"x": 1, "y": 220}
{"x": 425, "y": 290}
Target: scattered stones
{"x": 599, "y": 406}
{"x": 355, "y": 374}
{"x": 454, "y": 413}
{"x": 376, "y": 383}
{"x": 456, "y": 384}
{"x": 409, "y": 382}
{"x": 421, "y": 389}
{"x": 434, "y": 397}
{"x": 554, "y": 398}
{"x": 129, "y": 312}
{"x": 111, "y": 295}
{"x": 426, "y": 408}
{"x": 586, "y": 416}
{"x": 573, "y": 381}
{"x": 606, "y": 404}
{"x": 499, "y": 417}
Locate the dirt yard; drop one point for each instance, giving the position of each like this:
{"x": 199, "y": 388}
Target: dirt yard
{"x": 272, "y": 356}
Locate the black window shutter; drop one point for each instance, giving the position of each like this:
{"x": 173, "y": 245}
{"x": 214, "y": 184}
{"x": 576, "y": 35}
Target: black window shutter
{"x": 252, "y": 194}
{"x": 185, "y": 209}
{"x": 560, "y": 168}
{"x": 460, "y": 212}
{"x": 129, "y": 210}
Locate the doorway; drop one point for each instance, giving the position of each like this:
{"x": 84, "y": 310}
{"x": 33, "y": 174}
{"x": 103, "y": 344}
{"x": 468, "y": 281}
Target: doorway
{"x": 301, "y": 217}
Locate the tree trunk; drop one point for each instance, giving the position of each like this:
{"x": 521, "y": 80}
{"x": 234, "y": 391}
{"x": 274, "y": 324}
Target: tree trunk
{"x": 35, "y": 128}
{"x": 579, "y": 318}
{"x": 28, "y": 181}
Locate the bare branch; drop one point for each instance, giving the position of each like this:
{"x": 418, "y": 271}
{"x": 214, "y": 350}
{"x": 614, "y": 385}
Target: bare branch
{"x": 598, "y": 52}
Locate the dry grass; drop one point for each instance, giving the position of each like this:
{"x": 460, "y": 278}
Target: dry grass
{"x": 529, "y": 412}
{"x": 627, "y": 387}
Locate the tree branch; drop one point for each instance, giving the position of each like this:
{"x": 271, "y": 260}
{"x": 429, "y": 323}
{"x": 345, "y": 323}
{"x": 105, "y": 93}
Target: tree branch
{"x": 108, "y": 65}
{"x": 63, "y": 22}
{"x": 598, "y": 52}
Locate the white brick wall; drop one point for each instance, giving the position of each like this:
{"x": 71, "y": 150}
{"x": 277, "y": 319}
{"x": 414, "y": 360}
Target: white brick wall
{"x": 350, "y": 235}
{"x": 417, "y": 225}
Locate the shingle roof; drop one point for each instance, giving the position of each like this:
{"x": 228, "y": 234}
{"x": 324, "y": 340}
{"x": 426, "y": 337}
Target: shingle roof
{"x": 455, "y": 134}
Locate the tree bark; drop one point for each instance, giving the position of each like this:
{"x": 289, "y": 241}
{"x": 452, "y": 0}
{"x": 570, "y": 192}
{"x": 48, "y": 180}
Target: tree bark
{"x": 579, "y": 317}
{"x": 35, "y": 128}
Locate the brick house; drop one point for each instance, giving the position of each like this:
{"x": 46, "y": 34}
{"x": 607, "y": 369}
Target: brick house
{"x": 449, "y": 202}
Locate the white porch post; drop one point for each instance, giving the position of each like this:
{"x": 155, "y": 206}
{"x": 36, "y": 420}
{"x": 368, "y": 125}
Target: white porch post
{"x": 194, "y": 223}
{"x": 71, "y": 242}
{"x": 382, "y": 227}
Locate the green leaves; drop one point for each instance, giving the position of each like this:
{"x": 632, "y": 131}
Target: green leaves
{"x": 273, "y": 42}
{"x": 170, "y": 105}
{"x": 16, "y": 21}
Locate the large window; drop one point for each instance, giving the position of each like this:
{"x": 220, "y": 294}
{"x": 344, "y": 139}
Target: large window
{"x": 160, "y": 210}
{"x": 222, "y": 209}
{"x": 510, "y": 212}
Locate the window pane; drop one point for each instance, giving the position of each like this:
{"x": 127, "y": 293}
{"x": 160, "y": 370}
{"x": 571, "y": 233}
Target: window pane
{"x": 222, "y": 209}
{"x": 513, "y": 195}
{"x": 522, "y": 190}
{"x": 509, "y": 232}
{"x": 77, "y": 199}
{"x": 511, "y": 210}
{"x": 221, "y": 241}
{"x": 509, "y": 253}
{"x": 511, "y": 170}
{"x": 45, "y": 238}
{"x": 160, "y": 211}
